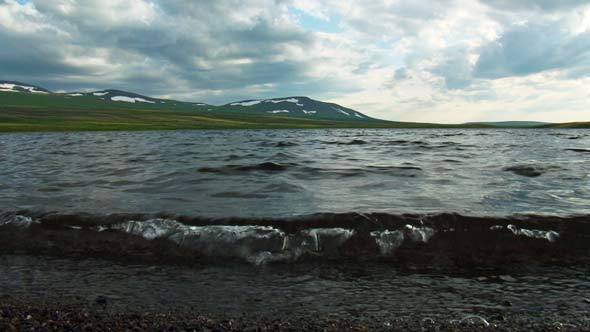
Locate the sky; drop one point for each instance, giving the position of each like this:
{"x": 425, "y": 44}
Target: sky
{"x": 406, "y": 60}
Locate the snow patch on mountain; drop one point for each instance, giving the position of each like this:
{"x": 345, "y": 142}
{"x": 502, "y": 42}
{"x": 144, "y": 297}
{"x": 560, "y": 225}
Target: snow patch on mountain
{"x": 246, "y": 103}
{"x": 279, "y": 111}
{"x": 308, "y": 112}
{"x": 98, "y": 94}
{"x": 289, "y": 100}
{"x": 10, "y": 87}
{"x": 131, "y": 100}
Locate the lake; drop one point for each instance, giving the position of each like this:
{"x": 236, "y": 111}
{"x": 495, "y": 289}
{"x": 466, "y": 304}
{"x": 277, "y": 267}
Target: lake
{"x": 282, "y": 173}
{"x": 375, "y": 225}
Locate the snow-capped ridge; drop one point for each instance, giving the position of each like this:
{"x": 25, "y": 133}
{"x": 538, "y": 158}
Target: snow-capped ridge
{"x": 298, "y": 106}
{"x": 292, "y": 106}
{"x": 12, "y": 86}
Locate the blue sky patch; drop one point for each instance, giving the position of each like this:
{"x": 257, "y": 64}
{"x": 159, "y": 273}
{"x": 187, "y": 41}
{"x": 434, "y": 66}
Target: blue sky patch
{"x": 311, "y": 23}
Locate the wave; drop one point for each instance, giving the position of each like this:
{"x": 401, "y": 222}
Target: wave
{"x": 353, "y": 142}
{"x": 531, "y": 171}
{"x": 580, "y": 150}
{"x": 263, "y": 167}
{"x": 281, "y": 144}
{"x": 310, "y": 172}
{"x": 434, "y": 239}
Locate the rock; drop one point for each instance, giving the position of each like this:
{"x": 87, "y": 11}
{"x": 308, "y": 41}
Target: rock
{"x": 523, "y": 170}
{"x": 102, "y": 300}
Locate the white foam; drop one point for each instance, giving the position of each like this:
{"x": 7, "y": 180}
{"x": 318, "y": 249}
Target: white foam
{"x": 471, "y": 320}
{"x": 389, "y": 240}
{"x": 16, "y": 220}
{"x": 131, "y": 100}
{"x": 247, "y": 103}
{"x": 550, "y": 236}
{"x": 317, "y": 239}
{"x": 419, "y": 234}
{"x": 254, "y": 244}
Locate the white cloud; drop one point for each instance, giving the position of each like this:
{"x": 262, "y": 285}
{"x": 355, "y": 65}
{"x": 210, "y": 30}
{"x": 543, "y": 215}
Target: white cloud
{"x": 434, "y": 61}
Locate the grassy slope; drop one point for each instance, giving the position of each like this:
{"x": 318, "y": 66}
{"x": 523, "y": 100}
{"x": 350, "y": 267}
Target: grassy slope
{"x": 569, "y": 125}
{"x": 37, "y": 112}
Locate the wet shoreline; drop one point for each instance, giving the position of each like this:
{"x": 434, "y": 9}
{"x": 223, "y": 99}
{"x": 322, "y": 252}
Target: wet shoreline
{"x": 332, "y": 296}
{"x": 17, "y": 316}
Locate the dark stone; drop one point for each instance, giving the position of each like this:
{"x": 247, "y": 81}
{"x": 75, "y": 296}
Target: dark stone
{"x": 528, "y": 171}
{"x": 102, "y": 300}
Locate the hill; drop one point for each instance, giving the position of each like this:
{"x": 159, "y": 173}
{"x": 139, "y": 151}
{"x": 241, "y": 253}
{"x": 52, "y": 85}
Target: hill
{"x": 300, "y": 107}
{"x": 12, "y": 86}
{"x": 289, "y": 107}
{"x": 27, "y": 107}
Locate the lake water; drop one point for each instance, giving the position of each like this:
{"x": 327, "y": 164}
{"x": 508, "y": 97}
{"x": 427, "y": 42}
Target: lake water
{"x": 281, "y": 173}
{"x": 368, "y": 224}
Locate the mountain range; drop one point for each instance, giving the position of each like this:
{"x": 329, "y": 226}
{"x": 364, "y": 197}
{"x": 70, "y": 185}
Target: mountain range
{"x": 28, "y": 107}
{"x": 292, "y": 107}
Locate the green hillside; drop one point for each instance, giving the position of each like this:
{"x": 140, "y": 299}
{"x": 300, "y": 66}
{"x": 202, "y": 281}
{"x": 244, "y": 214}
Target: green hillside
{"x": 25, "y": 107}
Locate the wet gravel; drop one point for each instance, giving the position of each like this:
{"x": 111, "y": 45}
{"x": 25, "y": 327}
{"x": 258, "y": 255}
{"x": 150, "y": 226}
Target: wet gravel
{"x": 70, "y": 316}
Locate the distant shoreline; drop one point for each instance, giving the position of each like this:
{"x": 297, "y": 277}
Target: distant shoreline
{"x": 8, "y": 128}
{"x": 31, "y": 119}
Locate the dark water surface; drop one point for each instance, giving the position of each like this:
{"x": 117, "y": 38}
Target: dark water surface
{"x": 367, "y": 224}
{"x": 278, "y": 173}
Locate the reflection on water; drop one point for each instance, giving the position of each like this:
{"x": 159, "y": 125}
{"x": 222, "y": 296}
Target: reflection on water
{"x": 294, "y": 172}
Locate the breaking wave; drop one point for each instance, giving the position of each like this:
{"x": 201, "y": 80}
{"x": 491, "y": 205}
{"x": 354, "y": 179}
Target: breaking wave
{"x": 433, "y": 239}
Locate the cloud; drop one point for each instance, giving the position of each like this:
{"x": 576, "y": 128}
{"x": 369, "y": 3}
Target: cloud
{"x": 544, "y": 5}
{"x": 533, "y": 48}
{"x": 401, "y": 74}
{"x": 444, "y": 60}
{"x": 122, "y": 43}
